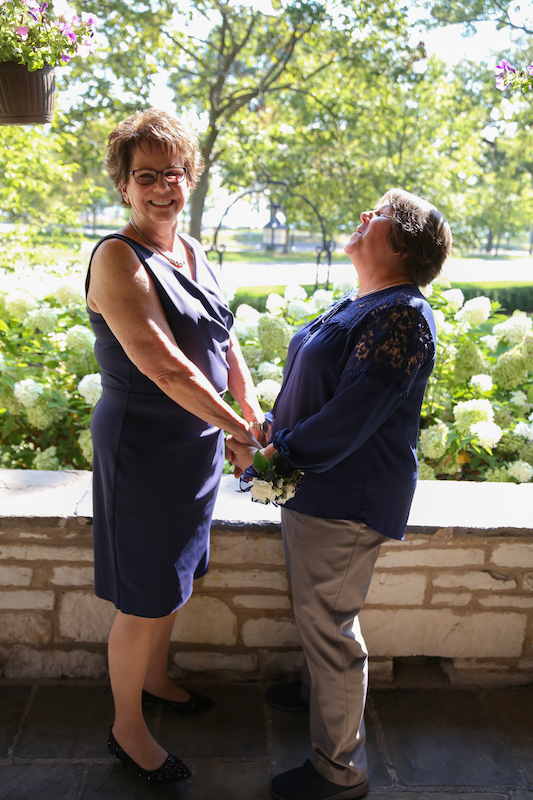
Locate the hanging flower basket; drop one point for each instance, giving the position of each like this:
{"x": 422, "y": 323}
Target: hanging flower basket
{"x": 26, "y": 97}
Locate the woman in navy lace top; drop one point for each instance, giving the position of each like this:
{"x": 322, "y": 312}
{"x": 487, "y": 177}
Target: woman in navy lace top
{"x": 348, "y": 416}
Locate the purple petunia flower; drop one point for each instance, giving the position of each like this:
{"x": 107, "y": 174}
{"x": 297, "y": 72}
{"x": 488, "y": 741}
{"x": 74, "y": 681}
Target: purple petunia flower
{"x": 43, "y": 7}
{"x": 22, "y": 31}
{"x": 500, "y": 83}
{"x": 33, "y": 14}
{"x": 65, "y": 58}
{"x": 530, "y": 69}
{"x": 503, "y": 67}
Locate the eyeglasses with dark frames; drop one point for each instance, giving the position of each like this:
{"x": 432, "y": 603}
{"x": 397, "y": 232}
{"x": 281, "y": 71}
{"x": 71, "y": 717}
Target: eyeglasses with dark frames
{"x": 145, "y": 177}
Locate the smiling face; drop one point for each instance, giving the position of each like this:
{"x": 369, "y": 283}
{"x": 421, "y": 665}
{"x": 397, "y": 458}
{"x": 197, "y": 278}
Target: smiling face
{"x": 159, "y": 202}
{"x": 370, "y": 238}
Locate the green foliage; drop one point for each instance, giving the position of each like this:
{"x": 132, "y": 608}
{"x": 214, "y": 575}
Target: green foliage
{"x": 46, "y": 350}
{"x": 28, "y": 35}
{"x": 482, "y": 376}
{"x": 509, "y": 298}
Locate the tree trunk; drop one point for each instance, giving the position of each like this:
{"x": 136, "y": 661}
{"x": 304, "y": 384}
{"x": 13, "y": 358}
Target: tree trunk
{"x": 197, "y": 205}
{"x": 488, "y": 246}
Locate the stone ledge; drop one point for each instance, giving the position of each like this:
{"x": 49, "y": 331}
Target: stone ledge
{"x": 493, "y": 509}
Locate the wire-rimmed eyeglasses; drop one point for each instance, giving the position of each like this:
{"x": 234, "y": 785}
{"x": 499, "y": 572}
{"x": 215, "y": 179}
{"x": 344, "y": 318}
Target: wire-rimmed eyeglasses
{"x": 146, "y": 176}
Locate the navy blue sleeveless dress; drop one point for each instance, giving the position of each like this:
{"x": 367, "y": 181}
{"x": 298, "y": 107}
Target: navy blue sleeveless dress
{"x": 156, "y": 466}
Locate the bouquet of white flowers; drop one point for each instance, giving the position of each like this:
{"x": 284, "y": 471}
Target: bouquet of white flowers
{"x": 270, "y": 480}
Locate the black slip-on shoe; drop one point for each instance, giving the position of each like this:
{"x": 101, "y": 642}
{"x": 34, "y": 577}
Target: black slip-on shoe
{"x": 287, "y": 697}
{"x": 306, "y": 783}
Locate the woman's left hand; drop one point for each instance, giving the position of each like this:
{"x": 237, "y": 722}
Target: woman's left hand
{"x": 241, "y": 455}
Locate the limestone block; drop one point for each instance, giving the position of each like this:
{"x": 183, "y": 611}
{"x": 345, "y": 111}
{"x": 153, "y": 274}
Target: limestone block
{"x": 33, "y": 552}
{"x": 443, "y": 632}
{"x": 526, "y": 663}
{"x": 447, "y": 557}
{"x": 73, "y": 576}
{"x": 451, "y": 599}
{"x": 513, "y": 555}
{"x": 24, "y": 662}
{"x": 213, "y": 662}
{"x": 239, "y": 579}
{"x": 15, "y": 576}
{"x": 528, "y": 581}
{"x": 276, "y": 663}
{"x": 404, "y": 589}
{"x": 475, "y": 580}
{"x": 85, "y": 617}
{"x": 205, "y": 620}
{"x": 507, "y": 601}
{"x": 270, "y": 633}
{"x": 380, "y": 672}
{"x": 262, "y": 601}
{"x": 234, "y": 549}
{"x": 26, "y": 598}
{"x": 18, "y": 627}
{"x": 464, "y": 673}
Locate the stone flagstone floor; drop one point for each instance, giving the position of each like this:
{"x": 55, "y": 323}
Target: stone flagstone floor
{"x": 426, "y": 740}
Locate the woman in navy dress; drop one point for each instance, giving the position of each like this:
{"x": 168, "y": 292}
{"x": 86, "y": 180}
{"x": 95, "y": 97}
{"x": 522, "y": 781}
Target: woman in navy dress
{"x": 167, "y": 355}
{"x": 348, "y": 415}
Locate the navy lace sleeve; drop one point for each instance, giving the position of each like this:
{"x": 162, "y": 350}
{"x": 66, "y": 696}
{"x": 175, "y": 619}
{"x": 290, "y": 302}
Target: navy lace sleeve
{"x": 391, "y": 349}
{"x": 392, "y": 345}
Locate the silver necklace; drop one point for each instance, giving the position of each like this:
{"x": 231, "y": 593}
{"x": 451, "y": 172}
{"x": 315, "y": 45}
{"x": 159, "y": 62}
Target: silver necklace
{"x": 157, "y": 250}
{"x": 380, "y": 289}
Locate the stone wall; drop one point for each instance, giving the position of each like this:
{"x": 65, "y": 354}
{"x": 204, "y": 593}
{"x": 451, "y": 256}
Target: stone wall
{"x": 459, "y": 588}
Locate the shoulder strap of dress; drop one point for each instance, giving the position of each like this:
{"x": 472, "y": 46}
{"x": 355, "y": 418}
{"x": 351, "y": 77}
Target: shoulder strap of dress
{"x": 139, "y": 250}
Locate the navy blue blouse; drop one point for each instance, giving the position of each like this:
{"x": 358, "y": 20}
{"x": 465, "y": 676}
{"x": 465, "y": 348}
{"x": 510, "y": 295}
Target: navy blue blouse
{"x": 349, "y": 409}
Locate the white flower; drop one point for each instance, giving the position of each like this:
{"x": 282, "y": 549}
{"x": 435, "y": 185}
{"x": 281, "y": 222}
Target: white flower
{"x": 80, "y": 339}
{"x": 521, "y": 471}
{"x": 440, "y": 321}
{"x": 433, "y": 440}
{"x": 263, "y": 491}
{"x": 47, "y": 459}
{"x": 294, "y": 292}
{"x": 289, "y": 490}
{"x": 519, "y": 399}
{"x": 427, "y": 291}
{"x": 44, "y": 319}
{"x": 491, "y": 342}
{"x": 86, "y": 445}
{"x": 2, "y": 362}
{"x": 342, "y": 288}
{"x": 515, "y": 328}
{"x": 321, "y": 300}
{"x": 475, "y": 311}
{"x": 469, "y": 412}
{"x": 298, "y": 309}
{"x": 268, "y": 371}
{"x": 481, "y": 382}
{"x": 275, "y": 304}
{"x": 19, "y": 303}
{"x": 246, "y": 313}
{"x": 69, "y": 292}
{"x": 268, "y": 390}
{"x": 525, "y": 430}
{"x": 454, "y": 298}
{"x": 488, "y": 434}
{"x": 228, "y": 286}
{"x": 245, "y": 329}
{"x": 90, "y": 388}
{"x": 27, "y": 392}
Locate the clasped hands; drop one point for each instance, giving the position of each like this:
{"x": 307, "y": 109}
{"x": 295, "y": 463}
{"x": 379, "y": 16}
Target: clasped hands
{"x": 241, "y": 454}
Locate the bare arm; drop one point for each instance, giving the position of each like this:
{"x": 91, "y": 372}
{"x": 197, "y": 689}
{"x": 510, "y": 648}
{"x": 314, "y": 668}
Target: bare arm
{"x": 121, "y": 290}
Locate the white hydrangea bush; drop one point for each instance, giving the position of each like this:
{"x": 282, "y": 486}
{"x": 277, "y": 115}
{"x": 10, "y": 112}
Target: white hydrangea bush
{"x": 49, "y": 379}
{"x": 477, "y": 414}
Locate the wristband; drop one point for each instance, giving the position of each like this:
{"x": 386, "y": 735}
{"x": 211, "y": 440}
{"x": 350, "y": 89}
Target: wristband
{"x": 259, "y": 426}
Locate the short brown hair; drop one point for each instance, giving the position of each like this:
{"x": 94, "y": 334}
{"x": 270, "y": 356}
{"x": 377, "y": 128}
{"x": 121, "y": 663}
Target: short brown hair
{"x": 419, "y": 230}
{"x": 165, "y": 131}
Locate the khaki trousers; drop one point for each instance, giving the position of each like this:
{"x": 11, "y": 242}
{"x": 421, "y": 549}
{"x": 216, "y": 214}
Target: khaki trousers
{"x": 330, "y": 564}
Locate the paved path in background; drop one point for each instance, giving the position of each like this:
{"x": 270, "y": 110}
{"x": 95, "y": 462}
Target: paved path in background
{"x": 462, "y": 270}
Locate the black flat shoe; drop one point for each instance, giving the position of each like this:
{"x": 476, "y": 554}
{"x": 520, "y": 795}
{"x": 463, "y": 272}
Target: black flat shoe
{"x": 194, "y": 705}
{"x": 171, "y": 771}
{"x": 306, "y": 783}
